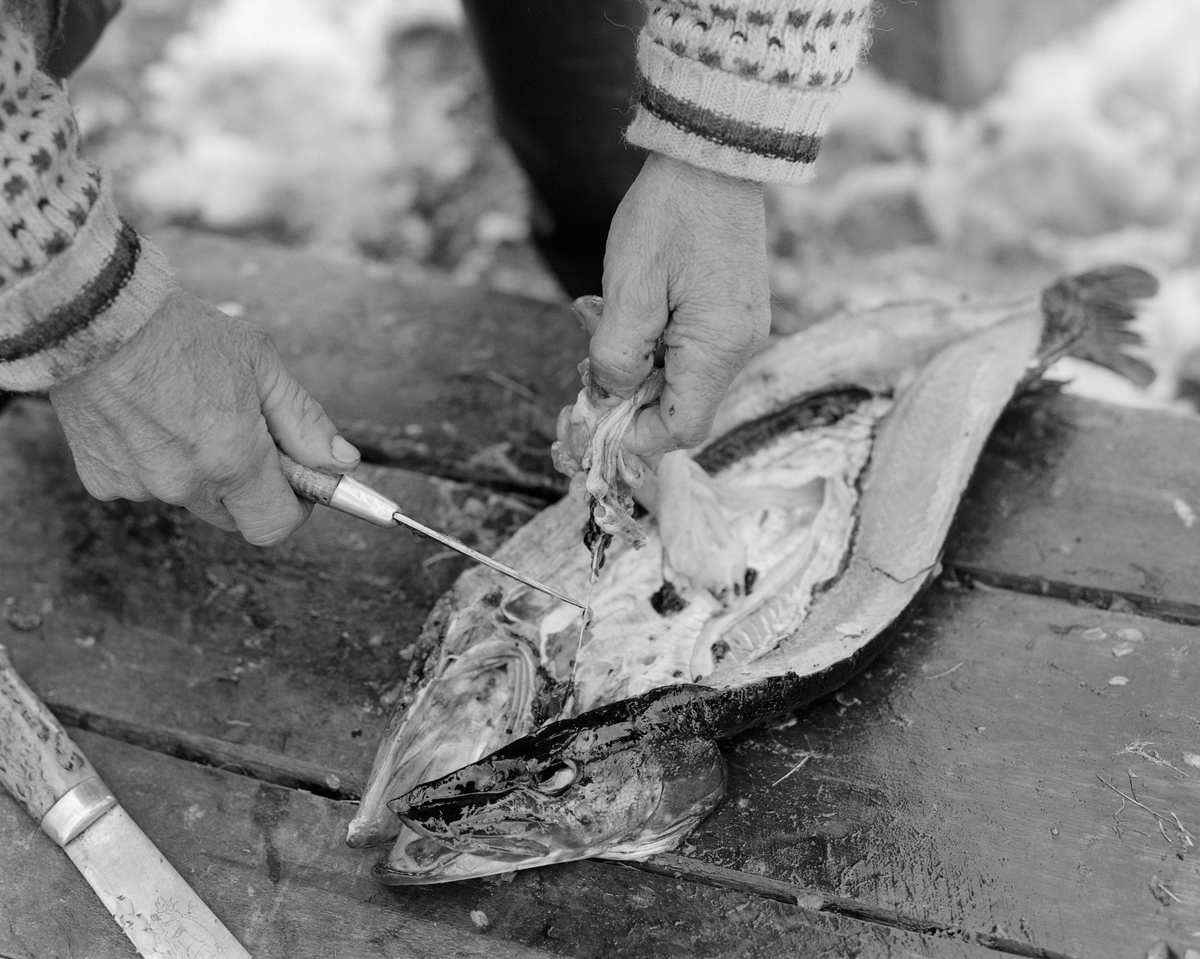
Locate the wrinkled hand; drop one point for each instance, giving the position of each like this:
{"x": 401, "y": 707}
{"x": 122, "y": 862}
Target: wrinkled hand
{"x": 189, "y": 412}
{"x": 686, "y": 261}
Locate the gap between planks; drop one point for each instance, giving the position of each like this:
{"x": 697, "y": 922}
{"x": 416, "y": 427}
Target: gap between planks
{"x": 252, "y": 762}
{"x": 681, "y": 867}
{"x": 260, "y": 764}
{"x": 1118, "y": 601}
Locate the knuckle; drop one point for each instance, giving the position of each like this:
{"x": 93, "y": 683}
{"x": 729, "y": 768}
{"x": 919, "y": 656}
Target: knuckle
{"x": 312, "y": 413}
{"x": 231, "y": 472}
{"x": 104, "y": 490}
{"x": 108, "y": 485}
{"x": 257, "y": 338}
{"x": 254, "y": 344}
{"x": 176, "y": 488}
{"x": 620, "y": 369}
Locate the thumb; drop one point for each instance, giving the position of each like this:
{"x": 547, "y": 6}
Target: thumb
{"x": 296, "y": 421}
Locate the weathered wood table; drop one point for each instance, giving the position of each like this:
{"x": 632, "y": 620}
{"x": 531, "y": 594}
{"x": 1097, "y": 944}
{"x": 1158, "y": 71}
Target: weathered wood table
{"x": 1019, "y": 773}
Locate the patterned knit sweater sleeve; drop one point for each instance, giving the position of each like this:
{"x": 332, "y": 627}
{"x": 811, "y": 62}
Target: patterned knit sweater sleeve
{"x": 745, "y": 87}
{"x": 76, "y": 282}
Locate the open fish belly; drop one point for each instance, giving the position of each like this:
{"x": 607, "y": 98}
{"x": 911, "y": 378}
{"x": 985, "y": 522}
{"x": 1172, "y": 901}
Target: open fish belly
{"x": 944, "y": 417}
{"x": 864, "y": 479}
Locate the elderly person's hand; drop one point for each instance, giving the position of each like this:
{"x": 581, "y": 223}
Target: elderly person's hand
{"x": 686, "y": 261}
{"x": 190, "y": 411}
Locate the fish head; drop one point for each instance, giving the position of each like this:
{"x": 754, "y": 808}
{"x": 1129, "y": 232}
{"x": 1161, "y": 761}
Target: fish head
{"x": 589, "y": 786}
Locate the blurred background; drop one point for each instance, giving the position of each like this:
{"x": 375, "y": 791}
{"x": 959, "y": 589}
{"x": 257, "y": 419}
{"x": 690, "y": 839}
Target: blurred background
{"x": 984, "y": 149}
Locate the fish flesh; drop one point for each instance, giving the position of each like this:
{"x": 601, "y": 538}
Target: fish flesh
{"x": 840, "y": 455}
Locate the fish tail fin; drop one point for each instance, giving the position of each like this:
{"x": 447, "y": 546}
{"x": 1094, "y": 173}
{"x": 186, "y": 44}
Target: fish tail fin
{"x": 1087, "y": 316}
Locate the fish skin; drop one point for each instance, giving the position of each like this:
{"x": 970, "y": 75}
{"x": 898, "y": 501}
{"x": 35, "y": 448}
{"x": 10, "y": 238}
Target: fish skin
{"x": 953, "y": 369}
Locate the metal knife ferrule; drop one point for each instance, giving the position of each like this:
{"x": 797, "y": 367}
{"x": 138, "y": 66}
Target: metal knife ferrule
{"x": 358, "y": 499}
{"x": 77, "y": 809}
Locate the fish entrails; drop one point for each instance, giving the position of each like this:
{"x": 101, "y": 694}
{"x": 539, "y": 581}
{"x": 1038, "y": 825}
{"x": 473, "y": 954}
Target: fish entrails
{"x": 841, "y": 457}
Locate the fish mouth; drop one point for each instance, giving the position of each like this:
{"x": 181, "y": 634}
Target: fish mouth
{"x": 490, "y": 808}
{"x": 478, "y": 785}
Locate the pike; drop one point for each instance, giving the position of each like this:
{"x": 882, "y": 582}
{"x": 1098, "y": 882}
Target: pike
{"x": 54, "y": 782}
{"x": 843, "y": 453}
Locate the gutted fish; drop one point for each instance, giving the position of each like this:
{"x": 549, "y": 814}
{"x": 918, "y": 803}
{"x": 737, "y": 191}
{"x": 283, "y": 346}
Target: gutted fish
{"x": 839, "y": 459}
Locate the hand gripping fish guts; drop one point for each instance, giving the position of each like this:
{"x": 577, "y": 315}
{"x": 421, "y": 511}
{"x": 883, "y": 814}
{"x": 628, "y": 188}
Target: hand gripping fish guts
{"x": 839, "y": 458}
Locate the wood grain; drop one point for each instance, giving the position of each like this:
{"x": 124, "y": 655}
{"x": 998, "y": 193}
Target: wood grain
{"x": 1090, "y": 503}
{"x": 270, "y": 862}
{"x": 962, "y": 781}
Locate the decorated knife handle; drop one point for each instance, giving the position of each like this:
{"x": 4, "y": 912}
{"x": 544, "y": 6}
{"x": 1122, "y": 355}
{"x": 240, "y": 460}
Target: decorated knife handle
{"x": 313, "y": 485}
{"x": 38, "y": 762}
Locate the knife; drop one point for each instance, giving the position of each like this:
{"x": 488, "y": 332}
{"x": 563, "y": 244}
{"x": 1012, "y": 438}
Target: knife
{"x": 347, "y": 495}
{"x": 49, "y": 776}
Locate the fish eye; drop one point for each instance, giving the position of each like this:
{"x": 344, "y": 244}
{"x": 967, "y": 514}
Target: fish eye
{"x": 557, "y": 778}
{"x": 585, "y": 739}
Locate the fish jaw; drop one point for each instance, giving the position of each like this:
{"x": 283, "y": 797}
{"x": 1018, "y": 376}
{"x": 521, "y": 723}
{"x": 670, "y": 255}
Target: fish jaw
{"x": 447, "y": 723}
{"x": 615, "y": 791}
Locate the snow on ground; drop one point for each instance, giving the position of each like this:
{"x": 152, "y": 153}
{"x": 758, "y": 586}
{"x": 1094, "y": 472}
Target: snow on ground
{"x": 276, "y": 112}
{"x": 361, "y": 126}
{"x": 1089, "y": 154}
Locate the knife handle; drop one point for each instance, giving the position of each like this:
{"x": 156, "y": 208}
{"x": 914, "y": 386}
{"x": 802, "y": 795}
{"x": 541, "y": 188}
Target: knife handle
{"x": 313, "y": 485}
{"x": 38, "y": 762}
{"x": 342, "y": 493}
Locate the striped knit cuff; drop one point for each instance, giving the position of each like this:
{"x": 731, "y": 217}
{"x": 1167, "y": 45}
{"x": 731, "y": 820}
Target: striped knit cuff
{"x": 83, "y": 305}
{"x": 735, "y": 125}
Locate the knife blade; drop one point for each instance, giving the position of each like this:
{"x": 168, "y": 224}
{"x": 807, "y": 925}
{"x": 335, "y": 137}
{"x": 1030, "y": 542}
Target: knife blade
{"x": 347, "y": 495}
{"x": 54, "y": 782}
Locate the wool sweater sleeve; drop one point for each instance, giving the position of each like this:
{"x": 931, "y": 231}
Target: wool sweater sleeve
{"x": 76, "y": 282}
{"x": 745, "y": 87}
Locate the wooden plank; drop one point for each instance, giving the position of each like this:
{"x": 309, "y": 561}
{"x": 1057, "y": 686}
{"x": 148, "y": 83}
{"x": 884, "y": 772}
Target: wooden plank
{"x": 270, "y": 861}
{"x": 963, "y": 781}
{"x": 142, "y": 614}
{"x": 1088, "y": 502}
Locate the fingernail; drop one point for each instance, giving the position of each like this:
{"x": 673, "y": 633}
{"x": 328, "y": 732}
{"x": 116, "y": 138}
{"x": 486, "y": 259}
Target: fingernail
{"x": 343, "y": 452}
{"x": 588, "y": 309}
